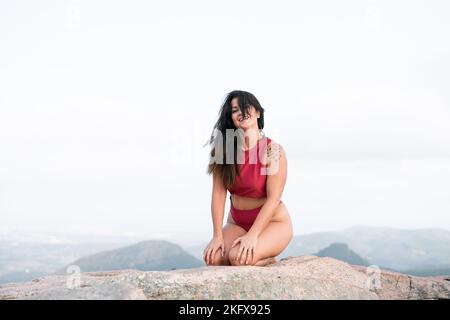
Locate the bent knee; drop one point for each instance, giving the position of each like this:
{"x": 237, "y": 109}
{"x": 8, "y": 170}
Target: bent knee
{"x": 219, "y": 260}
{"x": 233, "y": 255}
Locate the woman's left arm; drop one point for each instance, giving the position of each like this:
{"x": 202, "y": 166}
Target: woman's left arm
{"x": 276, "y": 180}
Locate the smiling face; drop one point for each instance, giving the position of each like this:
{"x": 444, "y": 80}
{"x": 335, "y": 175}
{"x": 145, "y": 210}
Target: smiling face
{"x": 242, "y": 121}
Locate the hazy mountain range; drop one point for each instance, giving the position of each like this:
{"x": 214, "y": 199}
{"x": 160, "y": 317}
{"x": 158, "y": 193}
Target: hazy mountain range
{"x": 341, "y": 251}
{"x": 419, "y": 252}
{"x": 151, "y": 255}
{"x": 386, "y": 247}
{"x": 28, "y": 259}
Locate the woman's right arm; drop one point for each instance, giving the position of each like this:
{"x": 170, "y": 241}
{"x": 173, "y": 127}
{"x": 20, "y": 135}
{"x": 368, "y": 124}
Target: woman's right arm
{"x": 219, "y": 194}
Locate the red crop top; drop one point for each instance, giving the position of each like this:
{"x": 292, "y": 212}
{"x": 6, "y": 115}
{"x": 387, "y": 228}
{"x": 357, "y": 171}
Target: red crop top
{"x": 251, "y": 181}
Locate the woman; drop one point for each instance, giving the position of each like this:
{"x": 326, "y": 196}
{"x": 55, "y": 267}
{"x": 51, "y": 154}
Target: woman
{"x": 258, "y": 225}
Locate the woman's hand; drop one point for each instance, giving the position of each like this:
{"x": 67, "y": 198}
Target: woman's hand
{"x": 247, "y": 248}
{"x": 215, "y": 244}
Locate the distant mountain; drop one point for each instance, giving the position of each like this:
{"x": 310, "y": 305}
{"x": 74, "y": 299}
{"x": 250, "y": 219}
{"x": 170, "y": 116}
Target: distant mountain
{"x": 442, "y": 270}
{"x": 27, "y": 260}
{"x": 20, "y": 276}
{"x": 398, "y": 249}
{"x": 152, "y": 255}
{"x": 341, "y": 251}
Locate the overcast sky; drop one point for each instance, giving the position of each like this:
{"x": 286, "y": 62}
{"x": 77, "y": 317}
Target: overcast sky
{"x": 105, "y": 107}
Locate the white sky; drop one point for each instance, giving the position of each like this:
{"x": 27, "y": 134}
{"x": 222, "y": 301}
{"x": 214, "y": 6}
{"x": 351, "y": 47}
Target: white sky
{"x": 105, "y": 106}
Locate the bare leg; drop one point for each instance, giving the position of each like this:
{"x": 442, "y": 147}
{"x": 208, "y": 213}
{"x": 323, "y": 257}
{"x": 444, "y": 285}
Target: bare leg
{"x": 265, "y": 261}
{"x": 271, "y": 242}
{"x": 230, "y": 233}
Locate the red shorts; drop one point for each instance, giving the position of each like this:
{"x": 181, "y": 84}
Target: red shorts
{"x": 244, "y": 218}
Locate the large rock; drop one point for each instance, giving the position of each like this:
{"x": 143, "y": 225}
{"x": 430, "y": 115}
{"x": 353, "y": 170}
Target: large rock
{"x": 305, "y": 277}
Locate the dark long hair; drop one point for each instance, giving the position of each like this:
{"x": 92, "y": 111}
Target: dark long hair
{"x": 229, "y": 171}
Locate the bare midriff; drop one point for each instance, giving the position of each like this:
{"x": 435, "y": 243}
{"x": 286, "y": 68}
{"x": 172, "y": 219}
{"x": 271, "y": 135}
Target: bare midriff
{"x": 246, "y": 203}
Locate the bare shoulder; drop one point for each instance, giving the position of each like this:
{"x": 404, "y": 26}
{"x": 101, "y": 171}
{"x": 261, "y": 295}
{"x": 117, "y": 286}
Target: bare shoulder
{"x": 275, "y": 151}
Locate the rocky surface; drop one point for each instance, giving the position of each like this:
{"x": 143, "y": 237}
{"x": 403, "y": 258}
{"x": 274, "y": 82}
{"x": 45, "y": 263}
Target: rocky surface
{"x": 304, "y": 277}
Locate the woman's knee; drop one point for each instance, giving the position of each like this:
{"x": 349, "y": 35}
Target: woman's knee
{"x": 233, "y": 255}
{"x": 219, "y": 260}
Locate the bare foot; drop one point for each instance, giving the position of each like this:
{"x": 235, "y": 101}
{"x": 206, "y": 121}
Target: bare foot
{"x": 266, "y": 261}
